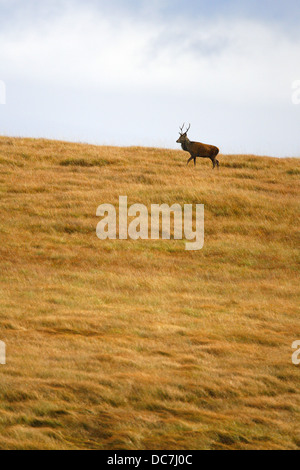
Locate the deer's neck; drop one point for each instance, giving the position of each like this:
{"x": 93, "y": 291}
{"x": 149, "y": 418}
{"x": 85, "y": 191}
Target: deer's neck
{"x": 185, "y": 145}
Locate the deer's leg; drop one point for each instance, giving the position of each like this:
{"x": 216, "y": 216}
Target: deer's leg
{"x": 215, "y": 163}
{"x": 191, "y": 158}
{"x": 195, "y": 161}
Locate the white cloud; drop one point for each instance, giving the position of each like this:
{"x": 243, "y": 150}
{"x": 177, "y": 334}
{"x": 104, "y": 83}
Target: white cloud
{"x": 245, "y": 58}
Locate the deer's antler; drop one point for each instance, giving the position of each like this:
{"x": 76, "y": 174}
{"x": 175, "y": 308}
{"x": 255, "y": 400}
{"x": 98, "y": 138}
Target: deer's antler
{"x": 181, "y": 129}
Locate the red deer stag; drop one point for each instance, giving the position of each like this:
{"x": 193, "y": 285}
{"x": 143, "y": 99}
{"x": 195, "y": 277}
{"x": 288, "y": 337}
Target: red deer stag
{"x": 196, "y": 149}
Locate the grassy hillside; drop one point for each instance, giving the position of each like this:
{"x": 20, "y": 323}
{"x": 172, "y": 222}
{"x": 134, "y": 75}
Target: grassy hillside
{"x": 141, "y": 344}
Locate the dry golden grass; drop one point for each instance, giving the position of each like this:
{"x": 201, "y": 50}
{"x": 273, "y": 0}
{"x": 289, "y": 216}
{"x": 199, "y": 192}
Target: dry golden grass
{"x": 141, "y": 344}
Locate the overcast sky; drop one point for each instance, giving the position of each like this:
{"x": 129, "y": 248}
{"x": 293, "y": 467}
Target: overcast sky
{"x": 129, "y": 72}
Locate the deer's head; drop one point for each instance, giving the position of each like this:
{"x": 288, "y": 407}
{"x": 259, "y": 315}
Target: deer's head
{"x": 183, "y": 135}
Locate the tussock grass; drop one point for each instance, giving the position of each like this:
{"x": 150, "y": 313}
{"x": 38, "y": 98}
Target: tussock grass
{"x": 143, "y": 345}
{"x": 85, "y": 163}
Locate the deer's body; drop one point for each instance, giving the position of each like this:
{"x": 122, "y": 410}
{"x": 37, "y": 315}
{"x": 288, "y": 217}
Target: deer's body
{"x": 197, "y": 149}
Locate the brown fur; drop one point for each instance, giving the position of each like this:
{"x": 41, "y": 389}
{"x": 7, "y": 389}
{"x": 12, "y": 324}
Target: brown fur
{"x": 197, "y": 149}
